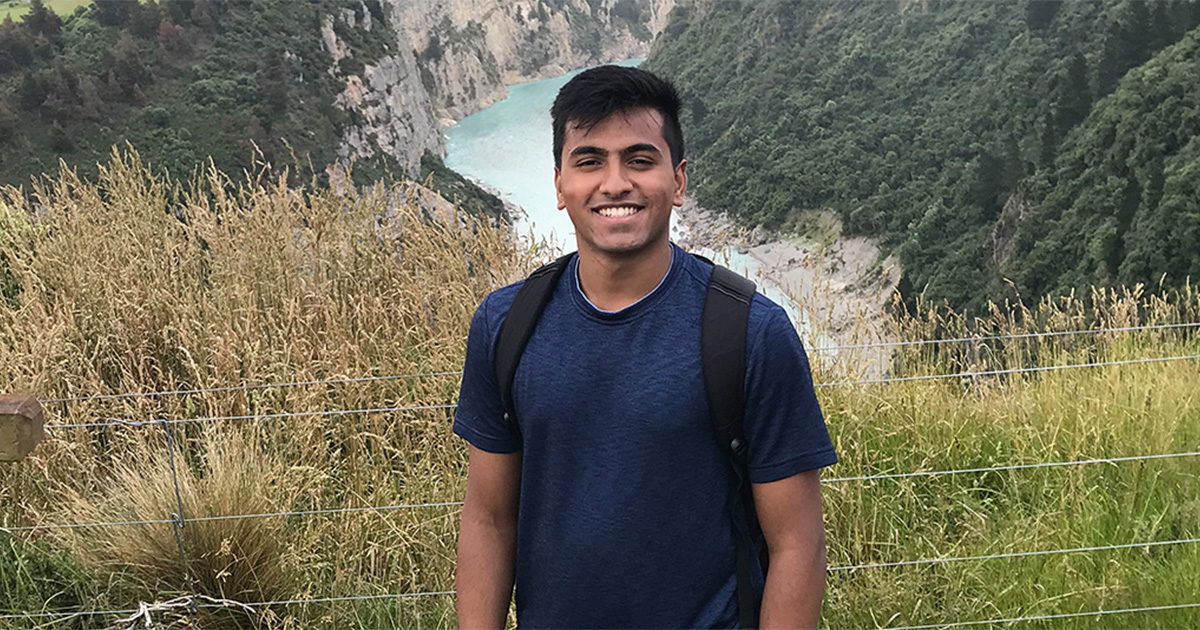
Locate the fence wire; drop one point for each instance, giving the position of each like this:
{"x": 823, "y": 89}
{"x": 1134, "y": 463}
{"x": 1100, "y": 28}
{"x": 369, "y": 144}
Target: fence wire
{"x": 261, "y": 416}
{"x": 323, "y": 600}
{"x": 981, "y": 338}
{"x": 235, "y": 388}
{"x": 414, "y": 375}
{"x": 960, "y": 471}
{"x": 1014, "y": 554}
{"x": 406, "y": 506}
{"x": 400, "y": 408}
{"x": 207, "y": 602}
{"x": 1092, "y": 613}
{"x": 1025, "y": 370}
{"x": 235, "y": 517}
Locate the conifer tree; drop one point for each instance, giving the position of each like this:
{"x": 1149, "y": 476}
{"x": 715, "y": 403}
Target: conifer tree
{"x": 42, "y": 21}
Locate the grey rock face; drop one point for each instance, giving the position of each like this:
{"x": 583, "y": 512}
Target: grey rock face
{"x": 455, "y": 57}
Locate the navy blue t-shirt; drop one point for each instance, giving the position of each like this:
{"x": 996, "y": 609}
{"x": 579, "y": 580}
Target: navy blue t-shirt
{"x": 623, "y": 519}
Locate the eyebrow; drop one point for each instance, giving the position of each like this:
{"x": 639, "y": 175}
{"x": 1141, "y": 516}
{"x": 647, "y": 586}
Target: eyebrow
{"x": 633, "y": 148}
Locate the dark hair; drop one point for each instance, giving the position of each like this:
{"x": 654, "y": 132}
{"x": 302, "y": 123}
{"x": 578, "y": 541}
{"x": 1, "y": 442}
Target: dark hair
{"x": 599, "y": 92}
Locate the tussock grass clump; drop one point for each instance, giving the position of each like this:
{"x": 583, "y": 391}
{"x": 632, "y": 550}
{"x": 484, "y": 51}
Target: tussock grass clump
{"x": 134, "y": 283}
{"x": 241, "y": 559}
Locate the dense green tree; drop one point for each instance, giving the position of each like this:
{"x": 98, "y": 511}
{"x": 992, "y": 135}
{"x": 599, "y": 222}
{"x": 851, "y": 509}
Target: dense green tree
{"x": 8, "y": 124}
{"x": 127, "y": 66}
{"x": 16, "y": 47}
{"x": 31, "y": 92}
{"x": 179, "y": 11}
{"x": 918, "y": 123}
{"x": 205, "y": 13}
{"x": 42, "y": 21}
{"x": 1074, "y": 96}
{"x": 171, "y": 39}
{"x": 114, "y": 12}
{"x": 273, "y": 80}
{"x": 1039, "y": 13}
{"x": 145, "y": 19}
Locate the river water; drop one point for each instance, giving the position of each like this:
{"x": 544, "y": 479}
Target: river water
{"x": 509, "y": 147}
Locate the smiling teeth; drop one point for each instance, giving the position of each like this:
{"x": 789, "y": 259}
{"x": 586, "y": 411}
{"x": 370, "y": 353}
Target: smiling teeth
{"x": 618, "y": 212}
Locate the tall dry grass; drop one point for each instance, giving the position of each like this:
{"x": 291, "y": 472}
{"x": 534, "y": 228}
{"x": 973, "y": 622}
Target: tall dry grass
{"x": 133, "y": 283}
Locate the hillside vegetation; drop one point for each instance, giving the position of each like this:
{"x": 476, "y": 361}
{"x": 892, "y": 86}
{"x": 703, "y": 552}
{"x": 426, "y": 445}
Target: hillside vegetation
{"x": 188, "y": 82}
{"x": 136, "y": 283}
{"x": 1043, "y": 142}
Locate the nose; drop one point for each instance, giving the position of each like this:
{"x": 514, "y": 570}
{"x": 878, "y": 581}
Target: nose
{"x": 616, "y": 182}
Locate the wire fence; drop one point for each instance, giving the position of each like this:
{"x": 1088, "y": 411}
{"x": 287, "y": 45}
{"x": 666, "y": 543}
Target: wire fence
{"x": 413, "y": 506}
{"x": 418, "y": 375}
{"x": 1090, "y": 613}
{"x": 146, "y": 608}
{"x": 236, "y": 388}
{"x": 404, "y": 408}
{"x": 194, "y": 601}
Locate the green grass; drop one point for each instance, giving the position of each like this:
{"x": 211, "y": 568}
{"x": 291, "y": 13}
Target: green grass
{"x": 34, "y": 575}
{"x": 17, "y": 8}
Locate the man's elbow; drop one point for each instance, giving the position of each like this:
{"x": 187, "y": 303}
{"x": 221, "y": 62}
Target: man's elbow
{"x": 808, "y": 556}
{"x": 478, "y": 514}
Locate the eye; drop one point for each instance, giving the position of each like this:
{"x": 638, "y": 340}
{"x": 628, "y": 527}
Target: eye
{"x": 643, "y": 162}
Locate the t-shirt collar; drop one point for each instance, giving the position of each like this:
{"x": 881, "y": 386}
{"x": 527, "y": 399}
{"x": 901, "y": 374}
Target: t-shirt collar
{"x": 620, "y": 313}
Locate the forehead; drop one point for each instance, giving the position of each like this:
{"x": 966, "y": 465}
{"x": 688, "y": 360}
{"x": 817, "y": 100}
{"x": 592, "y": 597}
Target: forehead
{"x": 618, "y": 130}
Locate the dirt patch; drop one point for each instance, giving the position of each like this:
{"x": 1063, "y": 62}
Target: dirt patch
{"x": 843, "y": 287}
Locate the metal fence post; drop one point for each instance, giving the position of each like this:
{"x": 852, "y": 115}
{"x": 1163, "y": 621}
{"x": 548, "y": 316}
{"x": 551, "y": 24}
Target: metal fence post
{"x": 178, "y": 520}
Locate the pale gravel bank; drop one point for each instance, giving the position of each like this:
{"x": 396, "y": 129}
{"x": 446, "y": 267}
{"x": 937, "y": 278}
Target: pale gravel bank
{"x": 843, "y": 288}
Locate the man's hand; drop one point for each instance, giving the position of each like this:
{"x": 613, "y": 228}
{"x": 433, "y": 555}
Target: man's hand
{"x": 789, "y": 511}
{"x": 487, "y": 539}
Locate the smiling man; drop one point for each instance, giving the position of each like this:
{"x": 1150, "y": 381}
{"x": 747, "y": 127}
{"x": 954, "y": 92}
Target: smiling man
{"x": 604, "y": 495}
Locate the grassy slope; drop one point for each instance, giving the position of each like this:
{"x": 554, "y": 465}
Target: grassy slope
{"x": 270, "y": 285}
{"x": 17, "y": 8}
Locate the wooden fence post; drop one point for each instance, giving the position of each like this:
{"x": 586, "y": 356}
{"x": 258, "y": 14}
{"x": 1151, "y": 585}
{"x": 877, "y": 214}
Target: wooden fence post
{"x": 21, "y": 426}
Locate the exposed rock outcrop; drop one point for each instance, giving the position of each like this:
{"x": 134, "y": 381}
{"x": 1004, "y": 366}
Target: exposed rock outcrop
{"x": 455, "y": 57}
{"x": 393, "y": 111}
{"x": 471, "y": 49}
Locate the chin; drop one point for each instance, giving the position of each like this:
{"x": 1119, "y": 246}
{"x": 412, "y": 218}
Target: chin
{"x": 627, "y": 249}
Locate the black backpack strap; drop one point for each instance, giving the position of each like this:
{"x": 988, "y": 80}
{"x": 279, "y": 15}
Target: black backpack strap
{"x": 518, "y": 327}
{"x": 723, "y": 356}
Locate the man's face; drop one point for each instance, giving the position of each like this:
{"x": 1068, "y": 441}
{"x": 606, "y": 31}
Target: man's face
{"x": 618, "y": 185}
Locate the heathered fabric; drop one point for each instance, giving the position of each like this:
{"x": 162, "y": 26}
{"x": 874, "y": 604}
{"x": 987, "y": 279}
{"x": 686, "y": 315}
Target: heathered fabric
{"x": 623, "y": 519}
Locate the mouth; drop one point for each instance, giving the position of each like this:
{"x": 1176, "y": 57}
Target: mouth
{"x": 617, "y": 212}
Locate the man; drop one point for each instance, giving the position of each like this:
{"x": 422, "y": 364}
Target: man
{"x": 607, "y": 503}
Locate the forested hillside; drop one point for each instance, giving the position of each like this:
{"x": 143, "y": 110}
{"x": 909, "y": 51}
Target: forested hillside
{"x": 186, "y": 80}
{"x": 1043, "y": 142}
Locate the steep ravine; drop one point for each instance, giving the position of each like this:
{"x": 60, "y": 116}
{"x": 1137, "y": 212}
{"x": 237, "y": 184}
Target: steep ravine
{"x": 452, "y": 58}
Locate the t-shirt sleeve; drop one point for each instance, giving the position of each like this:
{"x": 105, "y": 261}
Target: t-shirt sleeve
{"x": 785, "y": 430}
{"x": 479, "y": 418}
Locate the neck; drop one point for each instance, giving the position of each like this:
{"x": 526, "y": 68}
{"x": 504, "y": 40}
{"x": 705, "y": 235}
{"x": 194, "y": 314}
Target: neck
{"x": 613, "y": 283}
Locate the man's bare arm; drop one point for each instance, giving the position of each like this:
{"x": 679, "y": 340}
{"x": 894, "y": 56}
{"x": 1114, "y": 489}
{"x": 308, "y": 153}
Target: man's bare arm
{"x": 487, "y": 539}
{"x": 790, "y": 513}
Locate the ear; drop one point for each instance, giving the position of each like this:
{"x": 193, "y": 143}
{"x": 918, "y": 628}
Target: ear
{"x": 558, "y": 188}
{"x": 680, "y": 182}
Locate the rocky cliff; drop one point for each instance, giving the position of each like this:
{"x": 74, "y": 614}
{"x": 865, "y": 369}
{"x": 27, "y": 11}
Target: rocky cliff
{"x": 455, "y": 57}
